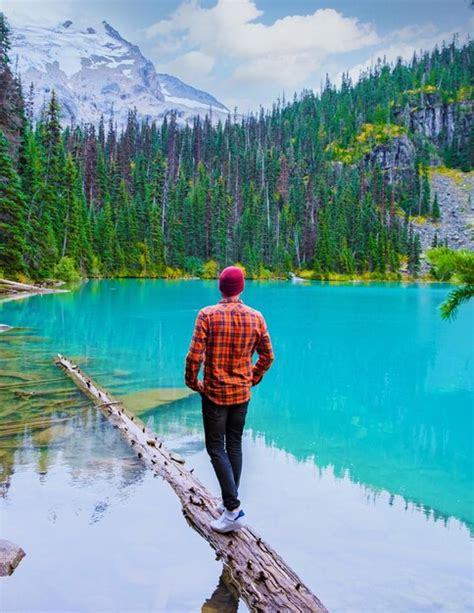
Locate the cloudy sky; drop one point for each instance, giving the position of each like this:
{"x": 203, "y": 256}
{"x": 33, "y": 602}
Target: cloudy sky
{"x": 249, "y": 52}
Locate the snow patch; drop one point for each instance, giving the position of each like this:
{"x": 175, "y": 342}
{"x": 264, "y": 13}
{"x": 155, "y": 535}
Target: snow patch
{"x": 95, "y": 70}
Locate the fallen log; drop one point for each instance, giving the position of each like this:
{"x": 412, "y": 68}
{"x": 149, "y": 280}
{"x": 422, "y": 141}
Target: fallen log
{"x": 253, "y": 569}
{"x": 15, "y": 286}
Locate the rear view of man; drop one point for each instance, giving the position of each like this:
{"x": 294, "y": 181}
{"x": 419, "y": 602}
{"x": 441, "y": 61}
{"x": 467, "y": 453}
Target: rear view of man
{"x": 226, "y": 336}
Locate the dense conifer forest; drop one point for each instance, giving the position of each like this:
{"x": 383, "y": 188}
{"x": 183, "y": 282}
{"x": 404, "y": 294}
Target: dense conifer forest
{"x": 298, "y": 187}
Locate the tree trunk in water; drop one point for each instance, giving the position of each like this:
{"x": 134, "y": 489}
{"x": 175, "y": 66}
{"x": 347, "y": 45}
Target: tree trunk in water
{"x": 252, "y": 568}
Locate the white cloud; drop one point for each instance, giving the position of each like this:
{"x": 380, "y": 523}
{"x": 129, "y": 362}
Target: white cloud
{"x": 191, "y": 66}
{"x": 283, "y": 54}
{"x": 43, "y": 12}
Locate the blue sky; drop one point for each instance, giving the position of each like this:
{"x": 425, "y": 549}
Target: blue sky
{"x": 249, "y": 52}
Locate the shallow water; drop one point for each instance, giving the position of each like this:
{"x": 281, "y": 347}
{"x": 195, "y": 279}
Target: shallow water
{"x": 358, "y": 453}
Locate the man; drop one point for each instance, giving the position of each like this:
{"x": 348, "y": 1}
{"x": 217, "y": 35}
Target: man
{"x": 226, "y": 335}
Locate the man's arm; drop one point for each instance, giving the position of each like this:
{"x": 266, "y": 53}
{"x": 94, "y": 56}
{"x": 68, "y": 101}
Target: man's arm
{"x": 265, "y": 354}
{"x": 195, "y": 355}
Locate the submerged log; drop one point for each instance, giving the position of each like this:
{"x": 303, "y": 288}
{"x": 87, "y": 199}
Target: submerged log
{"x": 253, "y": 569}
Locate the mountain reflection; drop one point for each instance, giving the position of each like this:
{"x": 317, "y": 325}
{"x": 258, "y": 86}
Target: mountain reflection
{"x": 367, "y": 381}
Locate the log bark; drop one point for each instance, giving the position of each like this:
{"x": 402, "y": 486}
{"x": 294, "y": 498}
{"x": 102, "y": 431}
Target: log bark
{"x": 253, "y": 568}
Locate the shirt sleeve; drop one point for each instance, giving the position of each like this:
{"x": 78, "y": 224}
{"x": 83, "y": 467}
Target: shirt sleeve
{"x": 265, "y": 354}
{"x": 195, "y": 355}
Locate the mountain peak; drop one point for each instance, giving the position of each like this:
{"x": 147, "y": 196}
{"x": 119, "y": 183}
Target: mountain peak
{"x": 95, "y": 72}
{"x": 113, "y": 32}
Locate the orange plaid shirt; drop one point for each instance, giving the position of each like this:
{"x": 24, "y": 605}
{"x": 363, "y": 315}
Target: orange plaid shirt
{"x": 225, "y": 337}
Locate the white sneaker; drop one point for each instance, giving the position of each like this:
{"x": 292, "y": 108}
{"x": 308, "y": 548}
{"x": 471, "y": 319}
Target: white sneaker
{"x": 221, "y": 508}
{"x": 228, "y": 522}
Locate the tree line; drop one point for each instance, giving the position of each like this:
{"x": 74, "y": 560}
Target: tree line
{"x": 266, "y": 190}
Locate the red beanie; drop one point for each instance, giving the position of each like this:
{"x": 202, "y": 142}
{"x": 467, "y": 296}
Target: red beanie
{"x": 231, "y": 281}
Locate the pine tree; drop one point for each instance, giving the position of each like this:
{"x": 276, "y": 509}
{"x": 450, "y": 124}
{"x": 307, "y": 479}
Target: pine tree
{"x": 71, "y": 245}
{"x": 12, "y": 117}
{"x": 106, "y": 238}
{"x": 156, "y": 246}
{"x": 414, "y": 255}
{"x": 12, "y": 215}
{"x": 435, "y": 210}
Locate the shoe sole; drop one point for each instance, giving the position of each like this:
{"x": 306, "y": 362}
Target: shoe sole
{"x": 236, "y": 529}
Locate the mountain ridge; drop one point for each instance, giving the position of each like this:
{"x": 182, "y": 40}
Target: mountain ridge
{"x": 96, "y": 72}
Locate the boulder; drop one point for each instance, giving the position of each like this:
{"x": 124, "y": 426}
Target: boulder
{"x": 10, "y": 556}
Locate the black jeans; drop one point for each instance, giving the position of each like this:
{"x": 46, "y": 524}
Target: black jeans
{"x": 223, "y": 427}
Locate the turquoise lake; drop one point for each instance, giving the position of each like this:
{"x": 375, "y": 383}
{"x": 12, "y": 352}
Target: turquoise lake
{"x": 358, "y": 452}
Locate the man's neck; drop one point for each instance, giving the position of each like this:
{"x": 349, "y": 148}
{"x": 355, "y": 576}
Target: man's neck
{"x": 235, "y": 298}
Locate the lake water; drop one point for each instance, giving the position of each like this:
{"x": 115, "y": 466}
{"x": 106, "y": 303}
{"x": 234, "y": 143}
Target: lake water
{"x": 358, "y": 453}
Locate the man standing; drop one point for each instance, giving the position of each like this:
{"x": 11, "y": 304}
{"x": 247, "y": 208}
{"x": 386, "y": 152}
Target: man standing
{"x": 225, "y": 337}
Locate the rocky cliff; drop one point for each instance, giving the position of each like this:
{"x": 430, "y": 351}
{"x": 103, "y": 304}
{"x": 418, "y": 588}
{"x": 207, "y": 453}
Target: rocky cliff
{"x": 440, "y": 123}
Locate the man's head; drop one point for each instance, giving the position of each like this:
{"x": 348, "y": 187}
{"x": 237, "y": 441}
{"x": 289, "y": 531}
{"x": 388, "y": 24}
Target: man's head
{"x": 231, "y": 281}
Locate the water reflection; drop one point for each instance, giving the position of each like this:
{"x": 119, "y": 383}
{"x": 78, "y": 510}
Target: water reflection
{"x": 42, "y": 418}
{"x": 431, "y": 476}
{"x": 221, "y": 600}
{"x": 372, "y": 435}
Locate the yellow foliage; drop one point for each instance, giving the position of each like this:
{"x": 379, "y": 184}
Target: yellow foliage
{"x": 334, "y": 277}
{"x": 453, "y": 173}
{"x": 306, "y": 274}
{"x": 21, "y": 278}
{"x": 465, "y": 93}
{"x": 369, "y": 136}
{"x": 419, "y": 219}
{"x": 242, "y": 267}
{"x": 426, "y": 89}
{"x": 209, "y": 270}
{"x": 264, "y": 273}
{"x": 379, "y": 132}
{"x": 174, "y": 273}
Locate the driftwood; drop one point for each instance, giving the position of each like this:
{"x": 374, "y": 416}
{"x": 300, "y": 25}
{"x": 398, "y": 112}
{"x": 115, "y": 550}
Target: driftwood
{"x": 253, "y": 569}
{"x": 14, "y": 286}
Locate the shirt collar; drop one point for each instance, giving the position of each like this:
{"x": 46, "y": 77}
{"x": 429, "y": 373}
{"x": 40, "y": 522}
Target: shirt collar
{"x": 230, "y": 299}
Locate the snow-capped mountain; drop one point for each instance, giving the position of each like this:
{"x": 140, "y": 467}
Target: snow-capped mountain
{"x": 95, "y": 72}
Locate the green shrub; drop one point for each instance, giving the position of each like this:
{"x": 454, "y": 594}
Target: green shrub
{"x": 193, "y": 266}
{"x": 66, "y": 270}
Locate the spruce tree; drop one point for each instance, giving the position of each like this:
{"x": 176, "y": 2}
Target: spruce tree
{"x": 435, "y": 210}
{"x": 12, "y": 216}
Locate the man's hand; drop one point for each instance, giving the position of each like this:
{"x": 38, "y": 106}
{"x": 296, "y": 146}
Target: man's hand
{"x": 265, "y": 355}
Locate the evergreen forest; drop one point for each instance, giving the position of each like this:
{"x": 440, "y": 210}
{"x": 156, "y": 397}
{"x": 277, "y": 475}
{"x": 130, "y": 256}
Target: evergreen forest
{"x": 298, "y": 187}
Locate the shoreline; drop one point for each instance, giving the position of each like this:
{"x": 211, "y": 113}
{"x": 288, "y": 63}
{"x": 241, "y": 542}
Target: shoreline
{"x": 15, "y": 294}
{"x": 13, "y": 290}
{"x": 297, "y": 280}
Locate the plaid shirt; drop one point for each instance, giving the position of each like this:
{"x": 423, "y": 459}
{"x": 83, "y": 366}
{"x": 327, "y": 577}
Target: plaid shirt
{"x": 226, "y": 335}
